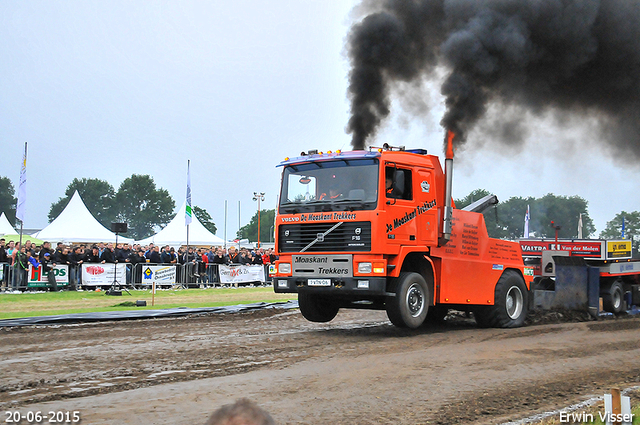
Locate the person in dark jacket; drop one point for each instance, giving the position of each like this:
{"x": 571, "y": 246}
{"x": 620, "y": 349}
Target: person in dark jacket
{"x": 47, "y": 267}
{"x": 232, "y": 257}
{"x": 76, "y": 258}
{"x": 154, "y": 255}
{"x": 107, "y": 255}
{"x": 46, "y": 248}
{"x": 92, "y": 255}
{"x": 166, "y": 256}
{"x": 3, "y": 251}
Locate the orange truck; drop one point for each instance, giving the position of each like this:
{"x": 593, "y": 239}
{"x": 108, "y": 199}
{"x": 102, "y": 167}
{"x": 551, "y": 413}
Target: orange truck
{"x": 376, "y": 229}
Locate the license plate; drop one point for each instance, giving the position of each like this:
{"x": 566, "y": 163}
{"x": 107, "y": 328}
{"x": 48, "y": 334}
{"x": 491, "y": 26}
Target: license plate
{"x": 319, "y": 282}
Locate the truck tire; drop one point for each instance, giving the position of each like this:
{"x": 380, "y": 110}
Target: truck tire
{"x": 409, "y": 308}
{"x": 612, "y": 298}
{"x": 510, "y": 305}
{"x": 316, "y": 308}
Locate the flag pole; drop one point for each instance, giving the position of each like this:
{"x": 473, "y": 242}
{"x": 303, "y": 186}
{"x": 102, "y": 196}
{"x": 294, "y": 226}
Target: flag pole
{"x": 188, "y": 213}
{"x": 22, "y": 192}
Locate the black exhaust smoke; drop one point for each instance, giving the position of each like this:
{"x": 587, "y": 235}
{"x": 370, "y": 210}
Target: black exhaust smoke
{"x": 568, "y": 56}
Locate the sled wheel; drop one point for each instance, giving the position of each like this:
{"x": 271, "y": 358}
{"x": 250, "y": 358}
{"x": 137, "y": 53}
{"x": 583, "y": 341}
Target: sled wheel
{"x": 612, "y": 299}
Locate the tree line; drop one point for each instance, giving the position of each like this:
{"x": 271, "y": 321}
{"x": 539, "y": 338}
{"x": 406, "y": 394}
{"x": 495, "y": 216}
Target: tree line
{"x": 138, "y": 202}
{"x": 147, "y": 208}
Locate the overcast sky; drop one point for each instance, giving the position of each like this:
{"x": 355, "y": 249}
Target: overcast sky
{"x": 106, "y": 89}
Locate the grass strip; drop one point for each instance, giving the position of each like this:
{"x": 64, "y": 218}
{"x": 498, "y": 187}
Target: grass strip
{"x": 30, "y": 304}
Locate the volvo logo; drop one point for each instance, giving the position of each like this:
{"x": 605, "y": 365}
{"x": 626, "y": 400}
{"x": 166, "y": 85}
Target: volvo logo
{"x": 358, "y": 230}
{"x": 286, "y": 233}
{"x": 320, "y": 237}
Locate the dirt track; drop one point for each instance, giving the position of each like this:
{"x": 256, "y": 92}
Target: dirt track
{"x": 358, "y": 369}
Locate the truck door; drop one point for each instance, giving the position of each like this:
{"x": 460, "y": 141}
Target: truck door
{"x": 425, "y": 199}
{"x": 399, "y": 205}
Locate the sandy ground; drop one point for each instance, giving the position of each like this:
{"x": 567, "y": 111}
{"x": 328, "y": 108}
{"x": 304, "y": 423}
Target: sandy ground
{"x": 358, "y": 369}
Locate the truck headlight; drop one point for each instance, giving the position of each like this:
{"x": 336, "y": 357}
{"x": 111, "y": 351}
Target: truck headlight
{"x": 364, "y": 268}
{"x": 284, "y": 268}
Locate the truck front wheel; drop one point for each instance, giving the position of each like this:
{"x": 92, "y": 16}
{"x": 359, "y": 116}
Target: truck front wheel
{"x": 410, "y": 306}
{"x": 510, "y": 305}
{"x": 316, "y": 308}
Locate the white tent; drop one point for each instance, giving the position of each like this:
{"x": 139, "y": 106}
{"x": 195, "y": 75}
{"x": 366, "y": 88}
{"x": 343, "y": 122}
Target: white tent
{"x": 76, "y": 224}
{"x": 175, "y": 233}
{"x": 5, "y": 227}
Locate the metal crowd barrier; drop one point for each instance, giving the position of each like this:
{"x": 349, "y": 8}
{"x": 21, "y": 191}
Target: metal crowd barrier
{"x": 186, "y": 275}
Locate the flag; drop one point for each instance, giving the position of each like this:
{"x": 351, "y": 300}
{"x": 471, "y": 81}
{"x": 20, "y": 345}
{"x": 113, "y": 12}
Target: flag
{"x": 22, "y": 189}
{"x": 580, "y": 227}
{"x": 622, "y": 233}
{"x": 187, "y": 212}
{"x": 527, "y": 217}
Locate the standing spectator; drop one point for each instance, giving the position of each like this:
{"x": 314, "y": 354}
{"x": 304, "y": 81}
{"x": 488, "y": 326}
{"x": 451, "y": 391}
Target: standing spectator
{"x": 10, "y": 248}
{"x": 76, "y": 258}
{"x": 202, "y": 265}
{"x": 28, "y": 246}
{"x": 174, "y": 257}
{"x": 92, "y": 256}
{"x": 46, "y": 248}
{"x": 232, "y": 257}
{"x": 166, "y": 255}
{"x": 58, "y": 249}
{"x": 257, "y": 257}
{"x": 123, "y": 253}
{"x": 107, "y": 255}
{"x": 154, "y": 255}
{"x": 47, "y": 267}
{"x": 3, "y": 251}
{"x": 147, "y": 253}
{"x": 20, "y": 266}
{"x": 219, "y": 257}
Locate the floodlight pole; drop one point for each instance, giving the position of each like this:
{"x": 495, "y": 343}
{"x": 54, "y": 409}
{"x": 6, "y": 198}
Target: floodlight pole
{"x": 258, "y": 197}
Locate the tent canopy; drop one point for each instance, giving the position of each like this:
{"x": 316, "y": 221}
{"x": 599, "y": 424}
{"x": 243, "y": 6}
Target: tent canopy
{"x": 175, "y": 233}
{"x": 76, "y": 224}
{"x": 16, "y": 238}
{"x": 5, "y": 227}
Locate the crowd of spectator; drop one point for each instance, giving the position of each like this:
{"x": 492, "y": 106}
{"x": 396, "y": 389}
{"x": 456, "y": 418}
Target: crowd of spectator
{"x": 19, "y": 256}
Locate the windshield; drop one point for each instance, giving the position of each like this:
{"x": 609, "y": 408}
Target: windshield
{"x": 330, "y": 186}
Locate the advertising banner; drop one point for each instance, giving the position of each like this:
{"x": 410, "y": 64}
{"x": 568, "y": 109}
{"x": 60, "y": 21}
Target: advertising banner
{"x": 161, "y": 275}
{"x": 60, "y": 271}
{"x": 241, "y": 274}
{"x": 103, "y": 274}
{"x": 592, "y": 249}
{"x": 619, "y": 249}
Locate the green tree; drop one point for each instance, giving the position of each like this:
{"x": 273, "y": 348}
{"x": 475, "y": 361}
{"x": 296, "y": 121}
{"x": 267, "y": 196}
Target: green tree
{"x": 144, "y": 207}
{"x": 250, "y": 231}
{"x": 565, "y": 212}
{"x": 507, "y": 220}
{"x": 490, "y": 214}
{"x": 98, "y": 195}
{"x": 8, "y": 200}
{"x": 205, "y": 219}
{"x": 613, "y": 229}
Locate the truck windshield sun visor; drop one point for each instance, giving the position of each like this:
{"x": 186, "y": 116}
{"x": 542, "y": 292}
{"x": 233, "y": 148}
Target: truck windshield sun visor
{"x": 343, "y": 184}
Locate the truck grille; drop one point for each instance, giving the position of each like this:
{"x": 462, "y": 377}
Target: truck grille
{"x": 348, "y": 236}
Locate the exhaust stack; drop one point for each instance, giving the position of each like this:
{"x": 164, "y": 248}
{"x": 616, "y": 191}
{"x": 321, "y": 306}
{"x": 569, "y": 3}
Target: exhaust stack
{"x": 448, "y": 171}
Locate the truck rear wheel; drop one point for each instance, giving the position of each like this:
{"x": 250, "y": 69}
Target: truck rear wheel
{"x": 510, "y": 305}
{"x": 410, "y": 306}
{"x": 612, "y": 298}
{"x": 316, "y": 308}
